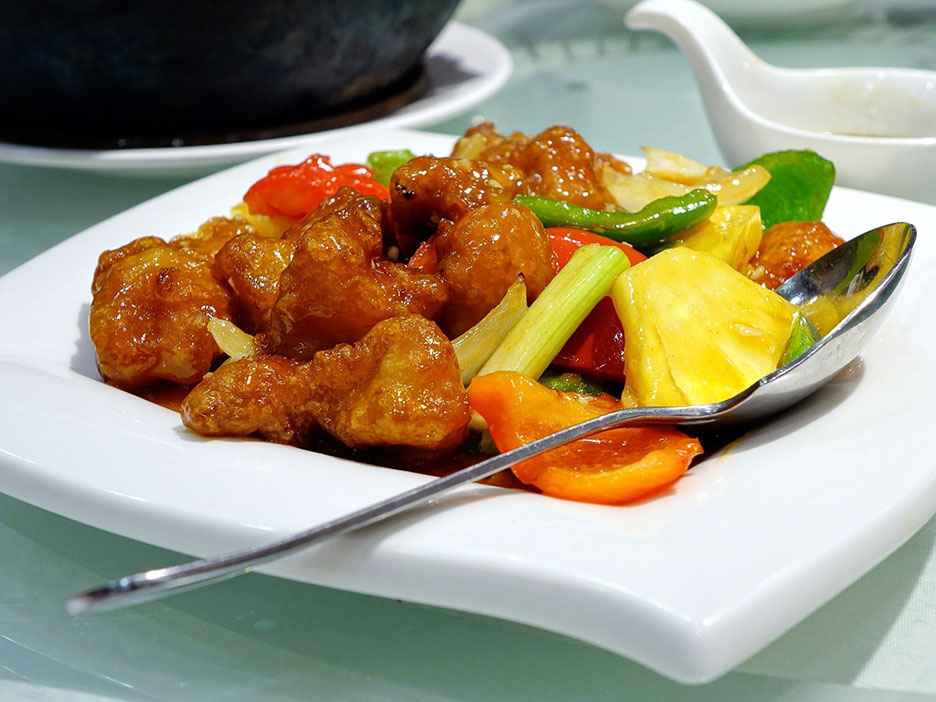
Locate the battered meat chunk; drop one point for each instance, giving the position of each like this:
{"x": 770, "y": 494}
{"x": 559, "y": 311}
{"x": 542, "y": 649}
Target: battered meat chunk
{"x": 265, "y": 395}
{"x": 787, "y": 248}
{"x": 399, "y": 386}
{"x": 252, "y": 264}
{"x": 211, "y": 235}
{"x": 556, "y": 163}
{"x": 151, "y": 304}
{"x": 345, "y": 197}
{"x": 427, "y": 190}
{"x": 481, "y": 256}
{"x": 482, "y": 142}
{"x": 338, "y": 286}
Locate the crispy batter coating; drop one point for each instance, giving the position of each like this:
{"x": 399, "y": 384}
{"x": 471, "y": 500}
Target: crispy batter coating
{"x": 483, "y": 142}
{"x": 345, "y": 197}
{"x": 338, "y": 286}
{"x": 556, "y": 163}
{"x": 427, "y": 190}
{"x": 110, "y": 257}
{"x": 149, "y": 313}
{"x": 265, "y": 395}
{"x": 399, "y": 386}
{"x": 252, "y": 265}
{"x": 787, "y": 248}
{"x": 211, "y": 235}
{"x": 482, "y": 254}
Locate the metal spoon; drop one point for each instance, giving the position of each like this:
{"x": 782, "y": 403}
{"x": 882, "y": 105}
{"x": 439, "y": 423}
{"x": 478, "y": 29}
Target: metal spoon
{"x": 845, "y": 293}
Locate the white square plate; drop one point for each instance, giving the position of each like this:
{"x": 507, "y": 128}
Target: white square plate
{"x": 690, "y": 583}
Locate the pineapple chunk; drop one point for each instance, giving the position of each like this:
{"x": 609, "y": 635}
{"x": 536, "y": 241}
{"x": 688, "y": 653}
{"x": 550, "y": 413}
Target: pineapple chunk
{"x": 697, "y": 330}
{"x": 270, "y": 227}
{"x": 731, "y": 234}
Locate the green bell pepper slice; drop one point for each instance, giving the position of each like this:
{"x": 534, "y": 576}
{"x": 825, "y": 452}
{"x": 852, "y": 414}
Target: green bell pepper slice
{"x": 659, "y": 220}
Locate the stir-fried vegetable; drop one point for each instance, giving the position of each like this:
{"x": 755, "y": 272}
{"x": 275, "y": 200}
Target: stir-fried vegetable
{"x": 294, "y": 191}
{"x": 570, "y": 382}
{"x": 672, "y": 174}
{"x": 265, "y": 225}
{"x": 597, "y": 346}
{"x": 799, "y": 187}
{"x": 657, "y": 221}
{"x": 706, "y": 332}
{"x": 475, "y": 346}
{"x": 231, "y": 339}
{"x": 610, "y": 467}
{"x": 384, "y": 163}
{"x": 565, "y": 241}
{"x": 731, "y": 234}
{"x": 535, "y": 340}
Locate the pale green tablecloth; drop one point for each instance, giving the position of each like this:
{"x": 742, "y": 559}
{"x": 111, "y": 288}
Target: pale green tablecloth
{"x": 260, "y": 638}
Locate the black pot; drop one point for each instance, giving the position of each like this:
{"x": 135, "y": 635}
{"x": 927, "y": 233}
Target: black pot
{"x": 123, "y": 70}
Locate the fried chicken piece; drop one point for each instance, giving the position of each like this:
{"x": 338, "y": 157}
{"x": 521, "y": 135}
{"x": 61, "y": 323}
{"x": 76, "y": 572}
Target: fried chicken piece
{"x": 788, "y": 247}
{"x": 556, "y": 163}
{"x": 265, "y": 395}
{"x": 482, "y": 254}
{"x": 605, "y": 160}
{"x": 482, "y": 142}
{"x": 110, "y": 257}
{"x": 252, "y": 264}
{"x": 149, "y": 314}
{"x": 345, "y": 197}
{"x": 338, "y": 286}
{"x": 398, "y": 386}
{"x": 211, "y": 235}
{"x": 427, "y": 190}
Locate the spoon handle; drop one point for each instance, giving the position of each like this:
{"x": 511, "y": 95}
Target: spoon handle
{"x": 160, "y": 582}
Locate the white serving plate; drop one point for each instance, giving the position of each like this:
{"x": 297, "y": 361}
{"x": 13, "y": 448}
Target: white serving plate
{"x": 463, "y": 67}
{"x": 690, "y": 583}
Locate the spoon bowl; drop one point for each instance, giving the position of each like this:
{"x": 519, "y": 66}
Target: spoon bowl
{"x": 846, "y": 294}
{"x": 877, "y": 125}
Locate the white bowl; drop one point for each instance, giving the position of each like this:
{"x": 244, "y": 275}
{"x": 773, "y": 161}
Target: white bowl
{"x": 877, "y": 125}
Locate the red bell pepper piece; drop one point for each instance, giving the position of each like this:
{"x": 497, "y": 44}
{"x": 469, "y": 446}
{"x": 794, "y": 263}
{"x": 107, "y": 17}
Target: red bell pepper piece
{"x": 294, "y": 191}
{"x": 566, "y": 241}
{"x": 614, "y": 466}
{"x": 596, "y": 349}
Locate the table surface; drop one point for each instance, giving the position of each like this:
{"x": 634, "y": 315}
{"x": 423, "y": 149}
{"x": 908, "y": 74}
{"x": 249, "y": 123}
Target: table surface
{"x": 258, "y": 637}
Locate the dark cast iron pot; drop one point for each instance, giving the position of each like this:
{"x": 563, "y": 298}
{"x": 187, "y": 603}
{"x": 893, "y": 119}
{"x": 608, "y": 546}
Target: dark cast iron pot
{"x": 76, "y": 72}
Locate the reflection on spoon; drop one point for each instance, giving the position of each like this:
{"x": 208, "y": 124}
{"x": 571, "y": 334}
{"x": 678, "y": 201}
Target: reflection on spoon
{"x": 854, "y": 285}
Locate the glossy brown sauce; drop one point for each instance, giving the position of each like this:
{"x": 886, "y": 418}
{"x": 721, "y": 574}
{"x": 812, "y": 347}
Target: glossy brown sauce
{"x": 164, "y": 394}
